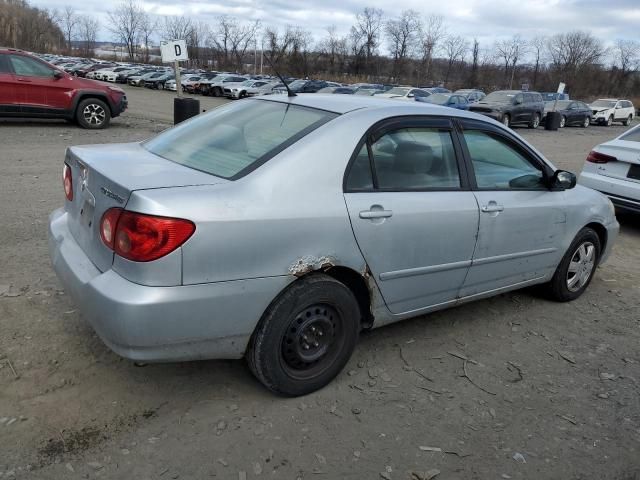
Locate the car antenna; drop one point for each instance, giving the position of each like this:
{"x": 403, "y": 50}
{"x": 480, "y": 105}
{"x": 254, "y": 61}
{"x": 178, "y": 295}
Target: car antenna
{"x": 289, "y": 92}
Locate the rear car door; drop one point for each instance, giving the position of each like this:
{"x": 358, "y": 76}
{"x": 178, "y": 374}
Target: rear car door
{"x": 519, "y": 113}
{"x": 412, "y": 214}
{"x": 522, "y": 222}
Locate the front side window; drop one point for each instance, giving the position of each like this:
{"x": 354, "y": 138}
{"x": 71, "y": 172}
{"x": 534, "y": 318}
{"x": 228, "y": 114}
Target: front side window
{"x": 500, "y": 165}
{"x": 28, "y": 67}
{"x": 415, "y": 159}
{"x": 232, "y": 139}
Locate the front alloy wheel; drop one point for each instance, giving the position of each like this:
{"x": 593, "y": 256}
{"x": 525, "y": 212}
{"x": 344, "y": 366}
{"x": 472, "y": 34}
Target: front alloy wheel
{"x": 581, "y": 266}
{"x": 577, "y": 267}
{"x": 586, "y": 122}
{"x": 93, "y": 113}
{"x": 610, "y": 121}
{"x": 506, "y": 120}
{"x": 563, "y": 121}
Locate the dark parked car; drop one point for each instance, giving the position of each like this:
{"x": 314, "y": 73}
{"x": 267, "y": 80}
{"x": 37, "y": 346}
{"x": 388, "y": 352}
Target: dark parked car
{"x": 307, "y": 86}
{"x": 571, "y": 111}
{"x": 30, "y": 87}
{"x": 471, "y": 94}
{"x": 446, "y": 100}
{"x": 343, "y": 90}
{"x": 549, "y": 96}
{"x": 512, "y": 107}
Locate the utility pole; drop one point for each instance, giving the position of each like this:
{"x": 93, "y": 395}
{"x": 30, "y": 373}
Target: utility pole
{"x": 261, "y": 55}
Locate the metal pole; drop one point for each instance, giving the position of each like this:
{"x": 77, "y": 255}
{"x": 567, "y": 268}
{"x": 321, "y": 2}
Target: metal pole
{"x": 261, "y": 55}
{"x": 255, "y": 57}
{"x": 178, "y": 83}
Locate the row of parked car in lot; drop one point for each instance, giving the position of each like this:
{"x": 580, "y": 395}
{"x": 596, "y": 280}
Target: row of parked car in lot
{"x": 511, "y": 107}
{"x": 61, "y": 75}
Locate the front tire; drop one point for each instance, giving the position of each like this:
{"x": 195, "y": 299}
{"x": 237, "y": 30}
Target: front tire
{"x": 610, "y": 121}
{"x": 627, "y": 122}
{"x": 577, "y": 268}
{"x": 563, "y": 121}
{"x": 93, "y": 114}
{"x": 586, "y": 122}
{"x": 506, "y": 120}
{"x": 305, "y": 337}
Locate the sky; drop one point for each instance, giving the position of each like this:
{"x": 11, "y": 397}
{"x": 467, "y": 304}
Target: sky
{"x": 487, "y": 20}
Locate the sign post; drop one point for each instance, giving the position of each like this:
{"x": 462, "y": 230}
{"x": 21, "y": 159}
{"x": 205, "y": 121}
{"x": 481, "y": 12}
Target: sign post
{"x": 176, "y": 51}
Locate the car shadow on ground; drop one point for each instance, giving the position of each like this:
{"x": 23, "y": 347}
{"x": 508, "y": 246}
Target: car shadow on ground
{"x": 53, "y": 123}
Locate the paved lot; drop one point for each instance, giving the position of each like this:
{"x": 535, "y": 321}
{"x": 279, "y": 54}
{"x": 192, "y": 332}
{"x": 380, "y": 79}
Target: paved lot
{"x": 552, "y": 385}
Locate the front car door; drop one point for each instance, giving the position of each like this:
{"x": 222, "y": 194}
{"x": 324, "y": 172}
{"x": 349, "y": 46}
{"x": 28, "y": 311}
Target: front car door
{"x": 522, "y": 222}
{"x": 38, "y": 90}
{"x": 519, "y": 114}
{"x": 412, "y": 214}
{"x": 8, "y": 100}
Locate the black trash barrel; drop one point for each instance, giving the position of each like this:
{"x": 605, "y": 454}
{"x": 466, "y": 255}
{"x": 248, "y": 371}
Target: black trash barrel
{"x": 184, "y": 108}
{"x": 552, "y": 121}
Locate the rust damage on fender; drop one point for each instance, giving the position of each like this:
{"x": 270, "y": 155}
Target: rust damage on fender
{"x": 310, "y": 263}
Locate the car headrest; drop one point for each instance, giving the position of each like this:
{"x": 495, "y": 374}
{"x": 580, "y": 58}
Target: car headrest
{"x": 413, "y": 157}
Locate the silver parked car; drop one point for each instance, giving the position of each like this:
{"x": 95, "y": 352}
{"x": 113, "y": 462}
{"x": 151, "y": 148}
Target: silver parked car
{"x": 277, "y": 228}
{"x": 613, "y": 168}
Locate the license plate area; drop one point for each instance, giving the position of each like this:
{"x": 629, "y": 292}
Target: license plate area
{"x": 634, "y": 172}
{"x": 86, "y": 214}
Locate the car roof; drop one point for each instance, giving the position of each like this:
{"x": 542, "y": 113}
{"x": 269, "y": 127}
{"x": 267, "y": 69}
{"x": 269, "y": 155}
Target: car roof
{"x": 342, "y": 104}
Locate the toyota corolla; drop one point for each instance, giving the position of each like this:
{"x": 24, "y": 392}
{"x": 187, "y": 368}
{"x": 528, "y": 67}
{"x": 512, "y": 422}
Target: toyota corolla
{"x": 279, "y": 228}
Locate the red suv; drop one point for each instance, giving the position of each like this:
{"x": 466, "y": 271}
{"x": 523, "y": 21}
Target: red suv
{"x": 30, "y": 87}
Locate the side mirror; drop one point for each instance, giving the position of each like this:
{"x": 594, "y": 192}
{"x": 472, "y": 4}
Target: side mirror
{"x": 518, "y": 102}
{"x": 563, "y": 179}
{"x": 57, "y": 74}
{"x": 411, "y": 95}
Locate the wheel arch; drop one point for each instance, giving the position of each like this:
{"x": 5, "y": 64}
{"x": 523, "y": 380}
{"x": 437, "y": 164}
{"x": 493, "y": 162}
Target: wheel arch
{"x": 601, "y": 231}
{"x": 90, "y": 94}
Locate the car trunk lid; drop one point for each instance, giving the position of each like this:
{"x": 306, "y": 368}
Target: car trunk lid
{"x": 104, "y": 176}
{"x": 628, "y": 165}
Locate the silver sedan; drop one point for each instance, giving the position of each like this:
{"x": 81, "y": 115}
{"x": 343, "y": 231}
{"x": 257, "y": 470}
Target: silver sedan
{"x": 279, "y": 227}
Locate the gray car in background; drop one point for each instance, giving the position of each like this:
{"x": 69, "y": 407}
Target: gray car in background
{"x": 277, "y": 228}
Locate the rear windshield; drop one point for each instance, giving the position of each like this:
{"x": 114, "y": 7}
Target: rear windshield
{"x": 632, "y": 135}
{"x": 231, "y": 141}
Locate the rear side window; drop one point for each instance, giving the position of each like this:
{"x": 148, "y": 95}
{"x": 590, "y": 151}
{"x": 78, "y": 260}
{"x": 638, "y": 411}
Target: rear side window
{"x": 4, "y": 64}
{"x": 407, "y": 159}
{"x": 231, "y": 141}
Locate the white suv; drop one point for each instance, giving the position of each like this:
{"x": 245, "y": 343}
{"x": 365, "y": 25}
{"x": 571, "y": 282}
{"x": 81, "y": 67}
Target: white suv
{"x": 609, "y": 110}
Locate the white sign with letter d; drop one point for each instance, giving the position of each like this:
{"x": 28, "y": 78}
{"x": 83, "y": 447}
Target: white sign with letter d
{"x": 173, "y": 50}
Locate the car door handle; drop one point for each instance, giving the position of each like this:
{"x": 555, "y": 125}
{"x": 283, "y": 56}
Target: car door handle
{"x": 25, "y": 80}
{"x": 492, "y": 207}
{"x": 376, "y": 214}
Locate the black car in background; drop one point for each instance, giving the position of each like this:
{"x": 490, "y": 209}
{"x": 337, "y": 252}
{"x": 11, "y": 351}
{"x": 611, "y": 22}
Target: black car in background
{"x": 307, "y": 86}
{"x": 572, "y": 112}
{"x": 512, "y": 107}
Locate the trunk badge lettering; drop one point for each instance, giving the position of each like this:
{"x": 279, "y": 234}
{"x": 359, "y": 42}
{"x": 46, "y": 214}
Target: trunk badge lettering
{"x": 112, "y": 195}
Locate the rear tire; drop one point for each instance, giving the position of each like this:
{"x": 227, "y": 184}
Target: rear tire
{"x": 535, "y": 121}
{"x": 217, "y": 92}
{"x": 92, "y": 113}
{"x": 627, "y": 122}
{"x": 577, "y": 268}
{"x": 305, "y": 337}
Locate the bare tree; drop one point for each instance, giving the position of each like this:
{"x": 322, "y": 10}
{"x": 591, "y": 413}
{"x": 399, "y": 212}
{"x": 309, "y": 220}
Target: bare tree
{"x": 537, "y": 46}
{"x": 176, "y": 28}
{"x": 401, "y": 35}
{"x": 431, "y": 35}
{"x": 125, "y": 23}
{"x": 148, "y": 27}
{"x": 196, "y": 40}
{"x": 87, "y": 30}
{"x": 68, "y": 23}
{"x": 475, "y": 59}
{"x": 511, "y": 51}
{"x": 368, "y": 25}
{"x": 232, "y": 38}
{"x": 455, "y": 47}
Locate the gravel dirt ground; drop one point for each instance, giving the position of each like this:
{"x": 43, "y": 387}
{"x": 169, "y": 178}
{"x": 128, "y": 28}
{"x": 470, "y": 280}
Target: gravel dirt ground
{"x": 547, "y": 390}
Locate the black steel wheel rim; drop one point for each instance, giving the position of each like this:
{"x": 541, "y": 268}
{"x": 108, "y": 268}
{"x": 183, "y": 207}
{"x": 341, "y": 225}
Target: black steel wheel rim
{"x": 312, "y": 341}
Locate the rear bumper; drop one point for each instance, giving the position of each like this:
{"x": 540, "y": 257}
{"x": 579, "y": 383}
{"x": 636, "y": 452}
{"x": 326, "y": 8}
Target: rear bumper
{"x": 142, "y": 323}
{"x": 624, "y": 194}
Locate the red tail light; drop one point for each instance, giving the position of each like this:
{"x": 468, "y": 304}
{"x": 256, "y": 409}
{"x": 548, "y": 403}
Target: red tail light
{"x": 143, "y": 238}
{"x": 67, "y": 182}
{"x": 597, "y": 157}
